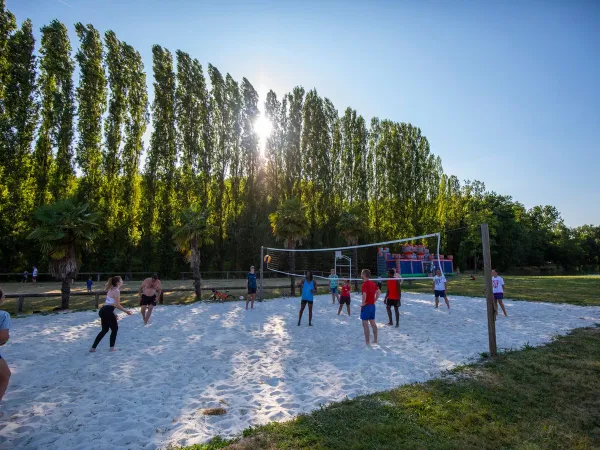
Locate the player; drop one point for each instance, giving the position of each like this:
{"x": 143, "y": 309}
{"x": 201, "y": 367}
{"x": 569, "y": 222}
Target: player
{"x": 370, "y": 292}
{"x": 150, "y": 290}
{"x": 107, "y": 313}
{"x": 345, "y": 297}
{"x": 439, "y": 288}
{"x": 498, "y": 289}
{"x": 251, "y": 287}
{"x": 333, "y": 286}
{"x": 393, "y": 296}
{"x": 34, "y": 275}
{"x": 309, "y": 288}
{"x": 89, "y": 284}
{"x": 24, "y": 277}
{"x": 4, "y": 335}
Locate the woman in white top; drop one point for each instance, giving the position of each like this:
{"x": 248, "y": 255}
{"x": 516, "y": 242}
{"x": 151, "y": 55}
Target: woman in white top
{"x": 107, "y": 312}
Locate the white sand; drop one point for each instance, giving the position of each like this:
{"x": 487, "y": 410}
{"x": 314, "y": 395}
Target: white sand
{"x": 259, "y": 365}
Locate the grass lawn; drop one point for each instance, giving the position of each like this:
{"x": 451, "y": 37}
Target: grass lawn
{"x": 546, "y": 397}
{"x": 575, "y": 290}
{"x": 86, "y": 302}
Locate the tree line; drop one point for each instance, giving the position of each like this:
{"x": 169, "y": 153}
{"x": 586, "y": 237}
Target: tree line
{"x": 352, "y": 180}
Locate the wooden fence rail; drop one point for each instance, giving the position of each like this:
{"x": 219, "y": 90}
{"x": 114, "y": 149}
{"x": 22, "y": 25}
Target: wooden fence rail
{"x": 96, "y": 294}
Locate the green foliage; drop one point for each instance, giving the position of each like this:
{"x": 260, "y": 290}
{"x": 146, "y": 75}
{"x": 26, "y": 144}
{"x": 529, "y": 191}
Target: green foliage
{"x": 358, "y": 181}
{"x": 289, "y": 223}
{"x": 64, "y": 230}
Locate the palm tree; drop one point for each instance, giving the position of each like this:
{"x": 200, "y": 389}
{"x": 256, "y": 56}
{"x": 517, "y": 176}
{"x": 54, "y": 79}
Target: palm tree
{"x": 290, "y": 226}
{"x": 192, "y": 233}
{"x": 351, "y": 225}
{"x": 64, "y": 230}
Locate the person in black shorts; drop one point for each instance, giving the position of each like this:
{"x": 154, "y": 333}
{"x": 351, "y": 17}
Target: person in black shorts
{"x": 150, "y": 290}
{"x": 345, "y": 297}
{"x": 393, "y": 296}
{"x": 251, "y": 287}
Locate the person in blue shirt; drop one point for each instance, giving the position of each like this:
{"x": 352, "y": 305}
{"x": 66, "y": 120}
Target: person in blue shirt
{"x": 251, "y": 287}
{"x": 89, "y": 284}
{"x": 4, "y": 335}
{"x": 309, "y": 288}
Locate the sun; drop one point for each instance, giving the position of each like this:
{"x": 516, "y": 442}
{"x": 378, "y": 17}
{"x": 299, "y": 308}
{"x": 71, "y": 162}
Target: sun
{"x": 263, "y": 127}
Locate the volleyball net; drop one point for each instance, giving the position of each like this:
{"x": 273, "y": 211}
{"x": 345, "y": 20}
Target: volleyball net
{"x": 415, "y": 257}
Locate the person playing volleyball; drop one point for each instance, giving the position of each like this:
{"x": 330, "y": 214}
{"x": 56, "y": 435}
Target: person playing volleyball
{"x": 393, "y": 296}
{"x": 251, "y": 287}
{"x": 345, "y": 297}
{"x": 150, "y": 290}
{"x": 439, "y": 288}
{"x": 333, "y": 286}
{"x": 370, "y": 292}
{"x": 309, "y": 289}
{"x": 498, "y": 289}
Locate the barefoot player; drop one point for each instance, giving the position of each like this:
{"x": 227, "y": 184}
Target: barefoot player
{"x": 251, "y": 287}
{"x": 370, "y": 292}
{"x": 150, "y": 290}
{"x": 393, "y": 296}
{"x": 439, "y": 288}
{"x": 498, "y": 289}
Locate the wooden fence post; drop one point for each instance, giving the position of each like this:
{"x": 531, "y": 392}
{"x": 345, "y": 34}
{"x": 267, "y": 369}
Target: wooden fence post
{"x": 97, "y": 300}
{"x": 161, "y": 299}
{"x": 489, "y": 294}
{"x": 20, "y": 302}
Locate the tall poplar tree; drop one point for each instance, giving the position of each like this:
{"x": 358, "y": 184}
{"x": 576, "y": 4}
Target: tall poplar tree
{"x": 91, "y": 99}
{"x": 136, "y": 120}
{"x": 55, "y": 178}
{"x": 117, "y": 68}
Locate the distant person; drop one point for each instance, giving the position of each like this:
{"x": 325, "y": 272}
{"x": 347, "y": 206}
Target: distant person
{"x": 251, "y": 287}
{"x": 4, "y": 335}
{"x": 149, "y": 291}
{"x": 309, "y": 289}
{"x": 393, "y": 296}
{"x": 333, "y": 286}
{"x": 107, "y": 314}
{"x": 498, "y": 289}
{"x": 370, "y": 292}
{"x": 89, "y": 284}
{"x": 439, "y": 288}
{"x": 34, "y": 274}
{"x": 345, "y": 297}
{"x": 24, "y": 277}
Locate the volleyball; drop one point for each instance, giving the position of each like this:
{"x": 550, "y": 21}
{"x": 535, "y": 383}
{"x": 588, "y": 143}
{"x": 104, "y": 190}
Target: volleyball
{"x": 268, "y": 259}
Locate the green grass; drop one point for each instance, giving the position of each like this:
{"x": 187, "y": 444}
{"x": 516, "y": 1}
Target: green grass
{"x": 535, "y": 398}
{"x": 576, "y": 290}
{"x": 82, "y": 303}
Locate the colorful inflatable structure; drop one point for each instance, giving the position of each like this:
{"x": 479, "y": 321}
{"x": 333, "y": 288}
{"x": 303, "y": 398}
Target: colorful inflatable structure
{"x": 414, "y": 261}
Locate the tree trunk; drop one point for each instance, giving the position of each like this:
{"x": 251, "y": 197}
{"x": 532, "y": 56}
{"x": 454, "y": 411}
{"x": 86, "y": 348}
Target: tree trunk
{"x": 66, "y": 292}
{"x": 196, "y": 274}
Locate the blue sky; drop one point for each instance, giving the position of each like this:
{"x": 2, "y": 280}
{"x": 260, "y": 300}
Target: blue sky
{"x": 506, "y": 91}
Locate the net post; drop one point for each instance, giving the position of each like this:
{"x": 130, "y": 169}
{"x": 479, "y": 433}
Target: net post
{"x": 438, "y": 253}
{"x": 489, "y": 295}
{"x": 262, "y": 262}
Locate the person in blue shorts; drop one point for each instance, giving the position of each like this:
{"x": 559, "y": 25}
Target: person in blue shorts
{"x": 370, "y": 293}
{"x": 251, "y": 287}
{"x": 439, "y": 288}
{"x": 333, "y": 286}
{"x": 309, "y": 289}
{"x": 4, "y": 335}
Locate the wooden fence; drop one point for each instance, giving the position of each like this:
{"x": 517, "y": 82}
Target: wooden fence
{"x": 97, "y": 294}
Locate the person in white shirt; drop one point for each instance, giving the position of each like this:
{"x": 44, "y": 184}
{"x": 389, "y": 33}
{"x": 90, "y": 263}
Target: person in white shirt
{"x": 439, "y": 288}
{"x": 34, "y": 274}
{"x": 498, "y": 289}
{"x": 333, "y": 286}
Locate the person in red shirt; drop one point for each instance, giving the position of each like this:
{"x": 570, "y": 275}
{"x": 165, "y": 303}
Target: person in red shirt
{"x": 370, "y": 292}
{"x": 393, "y": 296}
{"x": 345, "y": 297}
